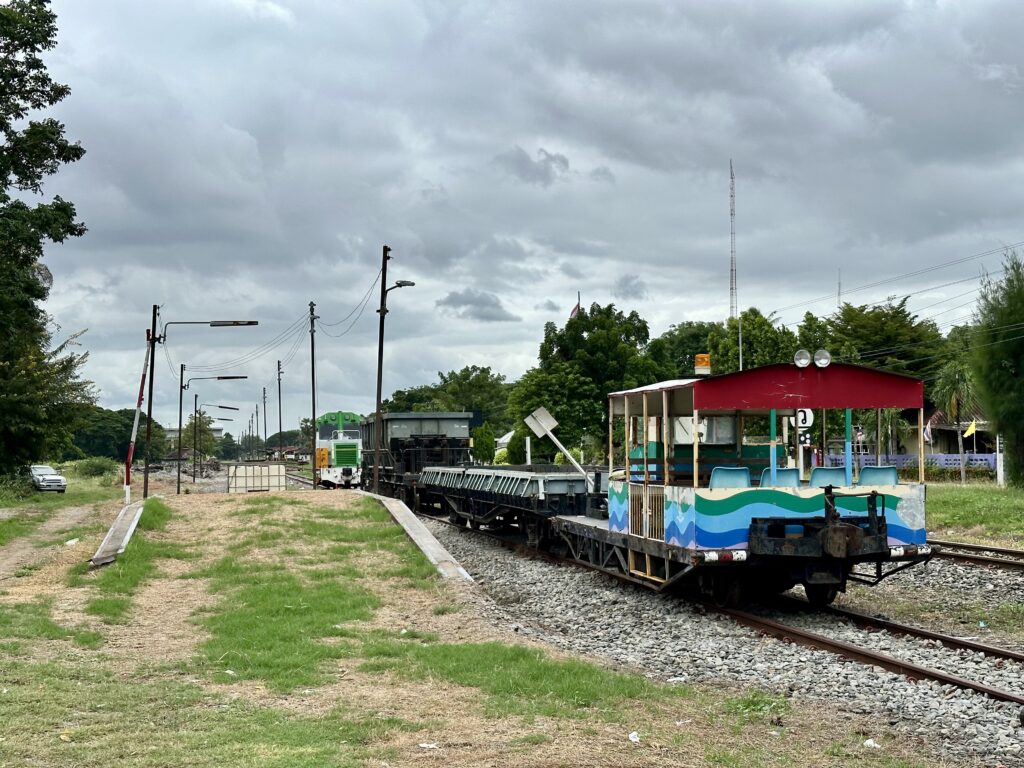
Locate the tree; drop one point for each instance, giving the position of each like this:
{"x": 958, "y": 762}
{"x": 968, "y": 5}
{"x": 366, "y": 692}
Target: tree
{"x": 764, "y": 343}
{"x": 473, "y": 388}
{"x": 674, "y": 351}
{"x": 997, "y": 356}
{"x": 227, "y": 448}
{"x": 598, "y": 351}
{"x": 286, "y": 438}
{"x": 198, "y": 432}
{"x": 484, "y": 444}
{"x": 955, "y": 391}
{"x": 886, "y": 336}
{"x": 40, "y": 385}
{"x": 306, "y": 434}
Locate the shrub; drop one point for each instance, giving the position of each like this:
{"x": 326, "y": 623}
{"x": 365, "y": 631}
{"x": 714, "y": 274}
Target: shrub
{"x": 501, "y": 456}
{"x": 96, "y": 466}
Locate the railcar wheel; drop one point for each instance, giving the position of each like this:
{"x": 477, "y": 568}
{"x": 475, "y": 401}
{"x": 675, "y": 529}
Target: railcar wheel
{"x": 474, "y": 524}
{"x": 726, "y": 591}
{"x": 455, "y": 518}
{"x": 820, "y": 595}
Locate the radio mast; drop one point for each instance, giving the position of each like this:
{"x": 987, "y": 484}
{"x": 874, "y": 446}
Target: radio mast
{"x": 733, "y": 310}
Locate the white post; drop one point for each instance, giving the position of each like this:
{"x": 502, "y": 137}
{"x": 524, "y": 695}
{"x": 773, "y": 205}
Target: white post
{"x": 799, "y": 453}
{"x": 785, "y": 438}
{"x": 529, "y": 454}
{"x": 1000, "y": 472}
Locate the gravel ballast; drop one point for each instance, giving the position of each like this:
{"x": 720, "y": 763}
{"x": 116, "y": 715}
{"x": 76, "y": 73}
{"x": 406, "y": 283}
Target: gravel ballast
{"x": 591, "y": 613}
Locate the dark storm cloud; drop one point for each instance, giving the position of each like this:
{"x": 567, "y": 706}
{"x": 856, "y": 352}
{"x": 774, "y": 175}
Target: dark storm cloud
{"x": 472, "y": 304}
{"x": 547, "y": 306}
{"x": 603, "y": 173}
{"x": 544, "y": 171}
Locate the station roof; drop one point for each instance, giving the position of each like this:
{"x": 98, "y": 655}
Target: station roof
{"x": 784, "y": 387}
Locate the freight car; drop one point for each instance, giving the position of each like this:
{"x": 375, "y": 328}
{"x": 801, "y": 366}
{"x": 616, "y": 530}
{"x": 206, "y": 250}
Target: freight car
{"x": 410, "y": 442}
{"x": 710, "y": 511}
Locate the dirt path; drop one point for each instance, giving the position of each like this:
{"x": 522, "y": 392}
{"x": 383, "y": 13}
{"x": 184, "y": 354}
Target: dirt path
{"x": 24, "y": 550}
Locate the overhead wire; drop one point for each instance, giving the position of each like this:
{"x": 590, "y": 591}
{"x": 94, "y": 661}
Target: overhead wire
{"x": 896, "y": 278}
{"x": 257, "y": 352}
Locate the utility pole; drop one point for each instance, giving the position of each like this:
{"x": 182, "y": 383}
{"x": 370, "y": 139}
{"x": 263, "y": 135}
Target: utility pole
{"x": 256, "y": 447}
{"x": 181, "y": 394}
{"x": 378, "y": 420}
{"x": 280, "y": 429}
{"x": 149, "y": 403}
{"x": 195, "y": 436}
{"x": 266, "y": 435}
{"x": 312, "y": 383}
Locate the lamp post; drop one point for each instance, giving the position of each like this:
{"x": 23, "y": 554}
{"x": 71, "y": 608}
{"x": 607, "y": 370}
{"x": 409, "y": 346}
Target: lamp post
{"x": 195, "y": 426}
{"x": 153, "y": 341}
{"x": 382, "y": 311}
{"x": 181, "y": 391}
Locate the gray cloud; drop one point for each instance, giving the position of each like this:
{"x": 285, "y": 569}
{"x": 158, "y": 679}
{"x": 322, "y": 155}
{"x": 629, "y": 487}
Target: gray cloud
{"x": 630, "y": 287}
{"x": 472, "y": 304}
{"x": 544, "y": 171}
{"x": 228, "y": 171}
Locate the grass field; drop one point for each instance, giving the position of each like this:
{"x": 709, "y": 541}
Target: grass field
{"x": 979, "y": 511}
{"x": 304, "y": 629}
{"x": 23, "y": 513}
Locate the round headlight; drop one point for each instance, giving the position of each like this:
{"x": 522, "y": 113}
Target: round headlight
{"x": 822, "y": 358}
{"x": 802, "y": 358}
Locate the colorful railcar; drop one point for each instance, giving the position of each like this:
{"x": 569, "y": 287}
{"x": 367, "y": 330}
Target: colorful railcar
{"x": 733, "y": 518}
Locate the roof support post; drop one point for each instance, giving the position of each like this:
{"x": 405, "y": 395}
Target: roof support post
{"x": 772, "y": 444}
{"x": 920, "y": 445}
{"x": 696, "y": 443}
{"x": 878, "y": 437}
{"x": 611, "y": 441}
{"x": 664, "y": 434}
{"x": 848, "y": 446}
{"x": 647, "y": 463}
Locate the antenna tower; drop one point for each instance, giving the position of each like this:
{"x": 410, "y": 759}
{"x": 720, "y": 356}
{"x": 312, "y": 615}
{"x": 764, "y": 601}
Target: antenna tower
{"x": 733, "y": 311}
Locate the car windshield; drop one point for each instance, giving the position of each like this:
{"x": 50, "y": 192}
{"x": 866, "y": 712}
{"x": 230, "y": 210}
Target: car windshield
{"x": 43, "y": 469}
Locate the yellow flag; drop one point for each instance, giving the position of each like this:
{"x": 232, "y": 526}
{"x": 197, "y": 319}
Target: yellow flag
{"x": 970, "y": 430}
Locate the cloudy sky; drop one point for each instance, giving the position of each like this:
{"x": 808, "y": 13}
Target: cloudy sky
{"x": 246, "y": 157}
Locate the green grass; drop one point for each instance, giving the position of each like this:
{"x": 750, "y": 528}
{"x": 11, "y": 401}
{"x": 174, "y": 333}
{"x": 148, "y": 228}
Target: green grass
{"x": 31, "y": 621}
{"x": 517, "y": 680}
{"x": 33, "y": 509}
{"x": 119, "y": 580}
{"x": 989, "y": 509}
{"x": 57, "y": 714}
{"x": 271, "y": 625}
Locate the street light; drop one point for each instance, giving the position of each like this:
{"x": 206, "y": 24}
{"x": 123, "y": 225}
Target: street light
{"x": 182, "y": 386}
{"x": 195, "y": 427}
{"x": 382, "y": 311}
{"x": 153, "y": 340}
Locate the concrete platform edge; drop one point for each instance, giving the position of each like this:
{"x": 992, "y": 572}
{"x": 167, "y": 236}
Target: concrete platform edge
{"x": 446, "y": 565}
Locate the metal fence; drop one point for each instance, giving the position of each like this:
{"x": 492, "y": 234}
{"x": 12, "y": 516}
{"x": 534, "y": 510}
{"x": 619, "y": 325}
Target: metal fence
{"x": 941, "y": 460}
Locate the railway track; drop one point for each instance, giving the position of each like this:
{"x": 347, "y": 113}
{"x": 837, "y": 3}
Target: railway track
{"x": 299, "y": 479}
{"x": 809, "y": 639}
{"x": 979, "y": 554}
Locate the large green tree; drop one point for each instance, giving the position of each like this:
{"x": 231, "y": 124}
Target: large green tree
{"x": 598, "y": 351}
{"x": 473, "y": 388}
{"x": 764, "y": 342}
{"x": 40, "y": 387}
{"x": 674, "y": 351}
{"x": 103, "y": 432}
{"x": 886, "y": 336}
{"x": 997, "y": 351}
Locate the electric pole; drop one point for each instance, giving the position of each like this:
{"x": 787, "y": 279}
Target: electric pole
{"x": 377, "y": 419}
{"x": 149, "y": 403}
{"x": 266, "y": 435}
{"x": 312, "y": 382}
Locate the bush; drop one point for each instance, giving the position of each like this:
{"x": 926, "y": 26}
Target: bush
{"x": 14, "y": 488}
{"x": 96, "y": 466}
{"x": 501, "y": 456}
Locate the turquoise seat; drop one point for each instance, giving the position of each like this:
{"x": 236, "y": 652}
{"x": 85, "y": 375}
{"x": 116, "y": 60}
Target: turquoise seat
{"x": 822, "y": 476}
{"x": 729, "y": 477}
{"x": 878, "y": 476}
{"x": 788, "y": 477}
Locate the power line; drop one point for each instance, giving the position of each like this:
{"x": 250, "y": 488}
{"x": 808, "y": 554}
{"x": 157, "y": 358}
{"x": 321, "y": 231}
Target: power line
{"x": 258, "y": 352}
{"x": 361, "y": 301}
{"x": 904, "y": 276}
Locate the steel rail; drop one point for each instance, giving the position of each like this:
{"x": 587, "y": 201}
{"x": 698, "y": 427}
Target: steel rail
{"x": 978, "y": 547}
{"x": 864, "y": 655}
{"x": 969, "y": 554}
{"x": 866, "y": 620}
{"x": 299, "y": 479}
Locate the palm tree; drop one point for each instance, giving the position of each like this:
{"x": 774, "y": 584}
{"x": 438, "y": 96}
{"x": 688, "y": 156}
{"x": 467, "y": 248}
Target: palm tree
{"x": 955, "y": 391}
